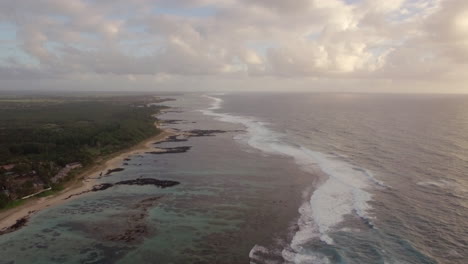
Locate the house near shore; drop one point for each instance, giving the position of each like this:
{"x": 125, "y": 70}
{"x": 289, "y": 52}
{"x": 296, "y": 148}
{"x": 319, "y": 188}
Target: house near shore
{"x": 4, "y": 191}
{"x": 65, "y": 171}
{"x": 73, "y": 165}
{"x": 8, "y": 167}
{"x": 15, "y": 186}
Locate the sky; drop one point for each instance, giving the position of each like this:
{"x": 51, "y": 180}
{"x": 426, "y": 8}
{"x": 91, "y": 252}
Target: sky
{"x": 235, "y": 45}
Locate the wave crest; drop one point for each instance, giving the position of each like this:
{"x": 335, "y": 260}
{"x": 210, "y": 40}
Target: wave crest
{"x": 343, "y": 193}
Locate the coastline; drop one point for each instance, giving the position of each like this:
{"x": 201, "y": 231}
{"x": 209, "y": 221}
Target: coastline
{"x": 82, "y": 182}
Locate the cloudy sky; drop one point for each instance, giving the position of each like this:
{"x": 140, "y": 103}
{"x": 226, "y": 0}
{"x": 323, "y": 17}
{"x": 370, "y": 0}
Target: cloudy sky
{"x": 285, "y": 45}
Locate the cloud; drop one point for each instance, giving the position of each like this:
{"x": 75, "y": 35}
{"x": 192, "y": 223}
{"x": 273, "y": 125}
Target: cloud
{"x": 164, "y": 40}
{"x": 448, "y": 30}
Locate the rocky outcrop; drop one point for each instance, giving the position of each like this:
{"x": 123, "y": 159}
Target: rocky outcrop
{"x": 149, "y": 181}
{"x": 101, "y": 187}
{"x": 171, "y": 121}
{"x": 136, "y": 226}
{"x": 114, "y": 170}
{"x": 204, "y": 133}
{"x": 173, "y": 138}
{"x": 171, "y": 150}
{"x": 139, "y": 181}
{"x": 19, "y": 224}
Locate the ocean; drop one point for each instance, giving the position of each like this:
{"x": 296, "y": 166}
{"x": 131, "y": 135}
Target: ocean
{"x": 286, "y": 178}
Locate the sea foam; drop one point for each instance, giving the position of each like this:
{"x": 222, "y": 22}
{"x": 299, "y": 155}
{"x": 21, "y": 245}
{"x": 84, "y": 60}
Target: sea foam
{"x": 343, "y": 193}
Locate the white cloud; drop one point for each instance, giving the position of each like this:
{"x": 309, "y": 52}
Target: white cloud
{"x": 399, "y": 40}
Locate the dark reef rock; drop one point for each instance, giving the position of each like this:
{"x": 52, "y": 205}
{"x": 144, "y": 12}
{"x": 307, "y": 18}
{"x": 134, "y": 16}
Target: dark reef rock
{"x": 173, "y": 138}
{"x": 101, "y": 187}
{"x": 19, "y": 224}
{"x": 204, "y": 133}
{"x": 139, "y": 181}
{"x": 114, "y": 170}
{"x": 149, "y": 181}
{"x": 171, "y": 150}
{"x": 184, "y": 136}
{"x": 136, "y": 227}
{"x": 171, "y": 121}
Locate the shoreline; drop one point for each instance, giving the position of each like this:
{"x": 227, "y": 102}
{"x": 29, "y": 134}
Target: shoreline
{"x": 82, "y": 182}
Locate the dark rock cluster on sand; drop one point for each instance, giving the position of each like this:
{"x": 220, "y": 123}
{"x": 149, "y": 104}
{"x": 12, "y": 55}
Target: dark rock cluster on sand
{"x": 114, "y": 170}
{"x": 101, "y": 187}
{"x": 19, "y": 224}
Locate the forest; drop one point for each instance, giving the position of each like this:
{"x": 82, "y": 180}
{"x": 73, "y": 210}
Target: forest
{"x": 39, "y": 136}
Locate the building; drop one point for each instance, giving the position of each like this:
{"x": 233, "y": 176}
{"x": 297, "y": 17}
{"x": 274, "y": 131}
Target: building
{"x": 8, "y": 167}
{"x": 64, "y": 172}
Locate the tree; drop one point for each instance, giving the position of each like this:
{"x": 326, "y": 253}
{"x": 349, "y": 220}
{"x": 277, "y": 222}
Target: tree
{"x": 4, "y": 200}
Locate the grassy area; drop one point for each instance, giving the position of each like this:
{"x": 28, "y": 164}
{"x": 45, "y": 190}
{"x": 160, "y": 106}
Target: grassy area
{"x": 55, "y": 189}
{"x": 13, "y": 204}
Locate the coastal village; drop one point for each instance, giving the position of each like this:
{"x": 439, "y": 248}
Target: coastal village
{"x": 22, "y": 181}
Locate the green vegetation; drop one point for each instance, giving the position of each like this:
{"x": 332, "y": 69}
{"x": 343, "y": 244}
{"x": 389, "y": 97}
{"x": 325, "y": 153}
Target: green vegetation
{"x": 54, "y": 190}
{"x": 40, "y": 136}
{"x": 12, "y": 204}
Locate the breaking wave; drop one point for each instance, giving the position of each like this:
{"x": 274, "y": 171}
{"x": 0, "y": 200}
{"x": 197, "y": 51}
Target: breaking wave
{"x": 343, "y": 192}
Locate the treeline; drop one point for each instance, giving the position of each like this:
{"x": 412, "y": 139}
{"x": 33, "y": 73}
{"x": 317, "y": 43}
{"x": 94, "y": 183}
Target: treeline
{"x": 73, "y": 131}
{"x": 40, "y": 136}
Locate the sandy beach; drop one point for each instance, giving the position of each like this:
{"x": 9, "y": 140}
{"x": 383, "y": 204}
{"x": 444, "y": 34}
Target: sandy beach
{"x": 84, "y": 182}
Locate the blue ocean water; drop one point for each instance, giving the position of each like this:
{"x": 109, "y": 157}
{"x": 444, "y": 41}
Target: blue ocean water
{"x": 295, "y": 178}
{"x": 396, "y": 189}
